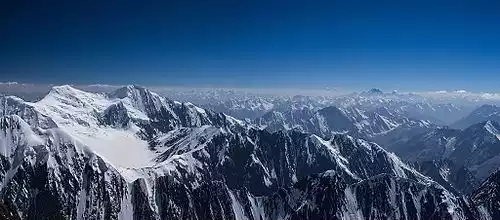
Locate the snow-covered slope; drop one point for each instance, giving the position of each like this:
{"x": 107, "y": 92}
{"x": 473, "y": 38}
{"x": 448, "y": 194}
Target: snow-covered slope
{"x": 48, "y": 174}
{"x": 118, "y": 126}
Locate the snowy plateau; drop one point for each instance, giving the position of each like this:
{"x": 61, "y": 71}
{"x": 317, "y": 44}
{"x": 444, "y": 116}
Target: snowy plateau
{"x": 131, "y": 153}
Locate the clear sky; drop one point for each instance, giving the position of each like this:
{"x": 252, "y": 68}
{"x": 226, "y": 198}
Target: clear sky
{"x": 411, "y": 45}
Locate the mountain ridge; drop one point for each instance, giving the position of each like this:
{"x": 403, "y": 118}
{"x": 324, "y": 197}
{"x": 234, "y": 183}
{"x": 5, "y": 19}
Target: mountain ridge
{"x": 208, "y": 166}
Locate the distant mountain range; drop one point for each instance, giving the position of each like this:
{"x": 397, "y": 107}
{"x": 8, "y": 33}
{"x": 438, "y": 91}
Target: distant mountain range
{"x": 481, "y": 114}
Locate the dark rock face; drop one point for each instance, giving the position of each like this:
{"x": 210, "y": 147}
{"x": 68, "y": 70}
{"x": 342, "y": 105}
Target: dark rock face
{"x": 457, "y": 179}
{"x": 487, "y": 196}
{"x": 116, "y": 115}
{"x": 329, "y": 196}
{"x": 306, "y": 181}
{"x": 375, "y": 91}
{"x": 7, "y": 212}
{"x": 47, "y": 181}
{"x": 10, "y": 105}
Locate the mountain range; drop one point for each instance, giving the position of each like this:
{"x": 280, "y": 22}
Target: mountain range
{"x": 480, "y": 114}
{"x": 133, "y": 154}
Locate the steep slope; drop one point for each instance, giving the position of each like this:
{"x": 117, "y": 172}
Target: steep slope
{"x": 7, "y": 212}
{"x": 276, "y": 176}
{"x": 47, "y": 174}
{"x": 285, "y": 120}
{"x": 324, "y": 122}
{"x": 480, "y": 114}
{"x": 457, "y": 179}
{"x": 10, "y": 105}
{"x": 475, "y": 149}
{"x": 433, "y": 145}
{"x": 64, "y": 178}
{"x": 380, "y": 197}
{"x": 487, "y": 196}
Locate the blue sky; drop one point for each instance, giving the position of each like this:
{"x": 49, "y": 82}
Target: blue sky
{"x": 405, "y": 45}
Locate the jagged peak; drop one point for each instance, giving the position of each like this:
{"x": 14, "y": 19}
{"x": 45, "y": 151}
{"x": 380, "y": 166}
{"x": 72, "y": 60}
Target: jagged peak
{"x": 374, "y": 91}
{"x": 16, "y": 133}
{"x": 492, "y": 127}
{"x": 68, "y": 91}
{"x": 11, "y": 100}
{"x": 130, "y": 90}
{"x": 69, "y": 96}
{"x": 489, "y": 126}
{"x": 488, "y": 123}
{"x": 12, "y": 121}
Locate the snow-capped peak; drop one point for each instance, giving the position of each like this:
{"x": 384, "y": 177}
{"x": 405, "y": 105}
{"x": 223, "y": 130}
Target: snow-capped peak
{"x": 373, "y": 91}
{"x": 139, "y": 101}
{"x": 75, "y": 98}
{"x": 64, "y": 88}
{"x": 129, "y": 91}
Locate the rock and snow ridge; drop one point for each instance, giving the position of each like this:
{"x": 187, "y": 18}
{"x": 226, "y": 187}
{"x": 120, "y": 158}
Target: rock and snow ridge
{"x": 480, "y": 114}
{"x": 82, "y": 114}
{"x": 380, "y": 125}
{"x": 473, "y": 152}
{"x": 200, "y": 165}
{"x": 410, "y": 105}
{"x": 488, "y": 195}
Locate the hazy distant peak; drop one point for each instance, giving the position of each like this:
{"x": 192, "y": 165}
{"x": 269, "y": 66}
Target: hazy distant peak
{"x": 374, "y": 91}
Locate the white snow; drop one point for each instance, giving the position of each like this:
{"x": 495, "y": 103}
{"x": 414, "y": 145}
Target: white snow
{"x": 76, "y": 112}
{"x": 257, "y": 210}
{"x": 444, "y": 172}
{"x": 120, "y": 147}
{"x": 80, "y": 211}
{"x": 126, "y": 207}
{"x": 333, "y": 150}
{"x": 491, "y": 128}
{"x": 239, "y": 211}
{"x": 16, "y": 137}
